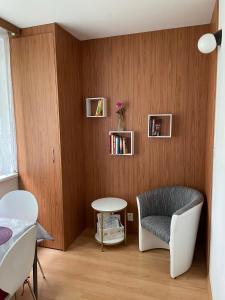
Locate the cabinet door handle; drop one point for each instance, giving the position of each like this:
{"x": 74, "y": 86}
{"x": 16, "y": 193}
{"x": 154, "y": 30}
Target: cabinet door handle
{"x": 53, "y": 155}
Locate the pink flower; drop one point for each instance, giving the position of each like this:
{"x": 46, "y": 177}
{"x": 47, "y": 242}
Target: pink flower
{"x": 119, "y": 105}
{"x": 120, "y": 108}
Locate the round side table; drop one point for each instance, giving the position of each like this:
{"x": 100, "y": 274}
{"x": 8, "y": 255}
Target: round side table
{"x": 110, "y": 205}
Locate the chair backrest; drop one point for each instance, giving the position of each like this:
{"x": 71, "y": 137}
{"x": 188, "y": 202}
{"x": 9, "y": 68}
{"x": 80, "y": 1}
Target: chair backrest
{"x": 19, "y": 205}
{"x": 18, "y": 261}
{"x": 166, "y": 201}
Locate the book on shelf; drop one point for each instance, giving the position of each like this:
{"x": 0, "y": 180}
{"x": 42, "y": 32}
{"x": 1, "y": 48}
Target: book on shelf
{"x": 121, "y": 145}
{"x": 155, "y": 126}
{"x": 125, "y": 151}
{"x": 99, "y": 109}
{"x": 111, "y": 143}
{"x": 118, "y": 144}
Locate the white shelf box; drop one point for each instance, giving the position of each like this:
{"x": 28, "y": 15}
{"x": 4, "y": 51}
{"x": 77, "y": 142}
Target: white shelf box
{"x": 91, "y": 107}
{"x": 121, "y": 142}
{"x": 160, "y": 125}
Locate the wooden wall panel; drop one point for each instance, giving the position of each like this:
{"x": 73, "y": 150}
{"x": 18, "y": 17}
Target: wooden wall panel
{"x": 37, "y": 125}
{"x": 68, "y": 59}
{"x": 155, "y": 72}
{"x": 210, "y": 126}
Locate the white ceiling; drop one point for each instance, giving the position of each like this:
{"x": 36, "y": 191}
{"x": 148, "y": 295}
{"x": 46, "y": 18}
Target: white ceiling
{"x": 88, "y": 19}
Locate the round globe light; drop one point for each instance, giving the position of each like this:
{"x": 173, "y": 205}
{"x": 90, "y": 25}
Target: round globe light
{"x": 207, "y": 43}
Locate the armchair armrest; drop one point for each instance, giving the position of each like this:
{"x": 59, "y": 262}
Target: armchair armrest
{"x": 190, "y": 205}
{"x": 183, "y": 233}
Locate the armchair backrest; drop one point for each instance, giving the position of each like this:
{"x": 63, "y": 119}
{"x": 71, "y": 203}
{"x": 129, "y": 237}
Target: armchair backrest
{"x": 167, "y": 201}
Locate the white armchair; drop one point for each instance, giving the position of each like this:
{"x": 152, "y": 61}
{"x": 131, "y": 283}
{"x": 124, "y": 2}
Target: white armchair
{"x": 169, "y": 218}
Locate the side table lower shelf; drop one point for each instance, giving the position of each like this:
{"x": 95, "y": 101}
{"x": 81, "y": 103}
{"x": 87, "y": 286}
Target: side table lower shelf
{"x": 110, "y": 242}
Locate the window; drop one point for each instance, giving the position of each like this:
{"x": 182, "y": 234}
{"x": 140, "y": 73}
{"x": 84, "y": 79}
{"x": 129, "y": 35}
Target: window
{"x": 8, "y": 163}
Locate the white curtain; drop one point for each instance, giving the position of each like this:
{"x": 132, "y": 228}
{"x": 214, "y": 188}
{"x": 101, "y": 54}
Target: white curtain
{"x": 8, "y": 163}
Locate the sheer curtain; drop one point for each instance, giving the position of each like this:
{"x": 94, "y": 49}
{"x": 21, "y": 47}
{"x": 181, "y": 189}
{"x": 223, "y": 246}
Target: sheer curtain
{"x": 8, "y": 163}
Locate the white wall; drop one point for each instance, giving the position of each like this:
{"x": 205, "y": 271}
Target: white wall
{"x": 217, "y": 256}
{"x": 7, "y": 185}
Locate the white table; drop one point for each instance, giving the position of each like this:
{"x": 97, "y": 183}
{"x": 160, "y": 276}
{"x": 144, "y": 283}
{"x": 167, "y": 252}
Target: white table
{"x": 110, "y": 205}
{"x": 18, "y": 227}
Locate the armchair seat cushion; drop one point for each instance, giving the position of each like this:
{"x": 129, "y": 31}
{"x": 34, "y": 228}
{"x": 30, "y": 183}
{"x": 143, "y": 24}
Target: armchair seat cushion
{"x": 159, "y": 226}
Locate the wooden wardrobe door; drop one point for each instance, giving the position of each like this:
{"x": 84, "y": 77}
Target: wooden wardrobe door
{"x": 37, "y": 124}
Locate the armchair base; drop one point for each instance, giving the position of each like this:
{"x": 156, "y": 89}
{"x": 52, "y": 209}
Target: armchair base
{"x": 148, "y": 240}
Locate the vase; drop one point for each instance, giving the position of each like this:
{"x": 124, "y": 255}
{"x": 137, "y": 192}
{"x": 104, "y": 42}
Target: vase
{"x": 120, "y": 122}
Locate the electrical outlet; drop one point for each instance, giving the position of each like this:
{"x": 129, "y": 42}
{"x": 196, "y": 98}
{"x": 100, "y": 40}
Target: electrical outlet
{"x": 130, "y": 217}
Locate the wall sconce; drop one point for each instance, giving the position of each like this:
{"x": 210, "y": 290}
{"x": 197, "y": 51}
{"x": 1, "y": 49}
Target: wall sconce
{"x": 209, "y": 41}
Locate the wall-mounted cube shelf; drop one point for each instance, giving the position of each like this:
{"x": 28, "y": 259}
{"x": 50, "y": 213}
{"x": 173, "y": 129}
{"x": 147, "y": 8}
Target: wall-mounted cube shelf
{"x": 160, "y": 125}
{"x": 96, "y": 107}
{"x": 121, "y": 142}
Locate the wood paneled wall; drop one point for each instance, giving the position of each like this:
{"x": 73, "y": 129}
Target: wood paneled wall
{"x": 210, "y": 126}
{"x": 155, "y": 72}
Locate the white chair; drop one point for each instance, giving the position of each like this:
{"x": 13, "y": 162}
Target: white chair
{"x": 20, "y": 205}
{"x": 169, "y": 218}
{"x": 17, "y": 263}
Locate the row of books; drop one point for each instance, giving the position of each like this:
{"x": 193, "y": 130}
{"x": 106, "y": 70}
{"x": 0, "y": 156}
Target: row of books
{"x": 118, "y": 144}
{"x": 155, "y": 126}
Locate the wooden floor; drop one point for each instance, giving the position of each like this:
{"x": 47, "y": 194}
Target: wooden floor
{"x": 120, "y": 272}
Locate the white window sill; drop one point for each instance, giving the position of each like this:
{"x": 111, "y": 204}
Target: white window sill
{"x": 8, "y": 177}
